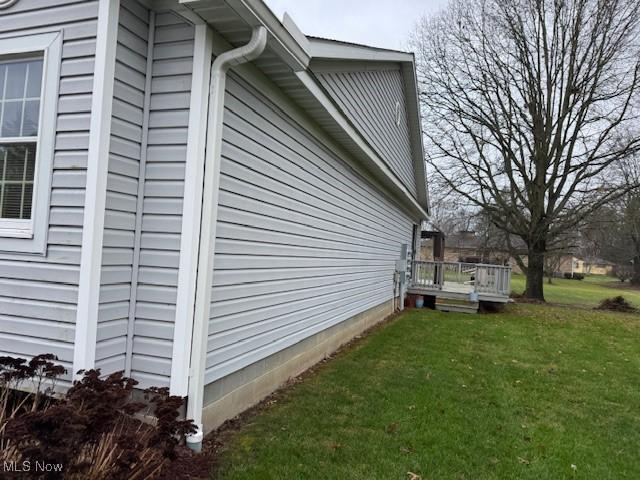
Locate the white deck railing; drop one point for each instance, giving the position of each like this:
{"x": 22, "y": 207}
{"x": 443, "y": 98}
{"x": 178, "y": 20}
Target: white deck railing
{"x": 472, "y": 277}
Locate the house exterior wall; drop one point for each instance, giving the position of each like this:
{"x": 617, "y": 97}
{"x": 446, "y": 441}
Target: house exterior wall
{"x": 374, "y": 100}
{"x": 584, "y": 267}
{"x": 569, "y": 264}
{"x": 38, "y": 293}
{"x": 598, "y": 269}
{"x": 304, "y": 239}
{"x": 162, "y": 207}
{"x": 125, "y": 153}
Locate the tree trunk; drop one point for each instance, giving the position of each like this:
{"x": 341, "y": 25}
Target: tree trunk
{"x": 535, "y": 273}
{"x": 635, "y": 280}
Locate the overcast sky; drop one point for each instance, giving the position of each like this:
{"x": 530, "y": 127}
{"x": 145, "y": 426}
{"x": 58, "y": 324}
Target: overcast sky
{"x": 380, "y": 23}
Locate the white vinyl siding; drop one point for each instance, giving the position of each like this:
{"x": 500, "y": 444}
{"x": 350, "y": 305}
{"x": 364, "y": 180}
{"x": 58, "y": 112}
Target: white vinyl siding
{"x": 122, "y": 185}
{"x": 38, "y": 294}
{"x": 304, "y": 240}
{"x": 163, "y": 192}
{"x": 374, "y": 101}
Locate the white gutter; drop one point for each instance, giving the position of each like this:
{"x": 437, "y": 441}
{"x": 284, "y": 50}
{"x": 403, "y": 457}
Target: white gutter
{"x": 219, "y": 69}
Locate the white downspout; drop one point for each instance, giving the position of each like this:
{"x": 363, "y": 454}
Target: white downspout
{"x": 219, "y": 69}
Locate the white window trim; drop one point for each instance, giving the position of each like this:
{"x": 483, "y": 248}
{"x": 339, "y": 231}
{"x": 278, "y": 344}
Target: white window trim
{"x": 30, "y": 236}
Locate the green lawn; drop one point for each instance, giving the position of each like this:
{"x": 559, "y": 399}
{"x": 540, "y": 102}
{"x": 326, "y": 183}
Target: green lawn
{"x": 536, "y": 392}
{"x": 588, "y": 292}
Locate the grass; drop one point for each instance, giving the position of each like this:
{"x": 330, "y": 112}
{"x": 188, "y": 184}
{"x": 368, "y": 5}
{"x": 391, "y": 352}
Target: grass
{"x": 536, "y": 392}
{"x": 588, "y": 292}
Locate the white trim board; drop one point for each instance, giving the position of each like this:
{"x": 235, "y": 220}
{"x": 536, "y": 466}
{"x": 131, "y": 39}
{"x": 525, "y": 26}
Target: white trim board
{"x": 84, "y": 352}
{"x": 33, "y": 238}
{"x": 338, "y": 50}
{"x": 192, "y": 209}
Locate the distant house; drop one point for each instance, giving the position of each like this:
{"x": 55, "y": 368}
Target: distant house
{"x": 599, "y": 266}
{"x": 571, "y": 264}
{"x": 198, "y": 194}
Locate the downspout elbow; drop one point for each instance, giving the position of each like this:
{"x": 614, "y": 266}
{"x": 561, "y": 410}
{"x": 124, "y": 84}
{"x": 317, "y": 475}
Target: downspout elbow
{"x": 221, "y": 65}
{"x": 244, "y": 54}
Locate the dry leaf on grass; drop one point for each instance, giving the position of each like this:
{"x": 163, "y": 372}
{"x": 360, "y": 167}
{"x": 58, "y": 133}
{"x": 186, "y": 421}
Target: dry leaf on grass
{"x": 391, "y": 428}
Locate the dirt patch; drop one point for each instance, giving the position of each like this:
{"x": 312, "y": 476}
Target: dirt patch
{"x": 521, "y": 298}
{"x": 491, "y": 307}
{"x": 616, "y": 304}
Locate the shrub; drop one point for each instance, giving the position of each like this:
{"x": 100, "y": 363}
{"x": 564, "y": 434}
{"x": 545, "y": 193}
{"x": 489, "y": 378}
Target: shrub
{"x": 617, "y": 304}
{"x": 623, "y": 272}
{"x": 91, "y": 430}
{"x": 574, "y": 276}
{"x": 14, "y": 372}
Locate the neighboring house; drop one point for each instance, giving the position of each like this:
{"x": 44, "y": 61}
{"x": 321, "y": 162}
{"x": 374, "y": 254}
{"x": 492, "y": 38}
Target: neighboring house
{"x": 571, "y": 264}
{"x": 220, "y": 275}
{"x": 599, "y": 266}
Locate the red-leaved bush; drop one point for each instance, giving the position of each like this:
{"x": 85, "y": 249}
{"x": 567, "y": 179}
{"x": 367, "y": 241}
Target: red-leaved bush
{"x": 92, "y": 430}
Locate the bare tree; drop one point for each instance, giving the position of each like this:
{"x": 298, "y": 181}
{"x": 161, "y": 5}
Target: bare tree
{"x": 552, "y": 263}
{"x": 523, "y": 103}
{"x": 559, "y": 251}
{"x": 626, "y": 235}
{"x": 623, "y": 272}
{"x": 613, "y": 232}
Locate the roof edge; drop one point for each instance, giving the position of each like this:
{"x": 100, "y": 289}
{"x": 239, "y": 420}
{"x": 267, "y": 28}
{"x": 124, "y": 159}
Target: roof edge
{"x": 339, "y": 50}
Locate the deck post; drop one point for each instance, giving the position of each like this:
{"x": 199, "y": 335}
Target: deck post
{"x": 475, "y": 279}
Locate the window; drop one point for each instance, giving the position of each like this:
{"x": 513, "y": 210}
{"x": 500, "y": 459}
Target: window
{"x": 29, "y": 77}
{"x": 20, "y": 87}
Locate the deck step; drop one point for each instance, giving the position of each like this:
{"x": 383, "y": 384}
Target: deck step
{"x": 457, "y": 307}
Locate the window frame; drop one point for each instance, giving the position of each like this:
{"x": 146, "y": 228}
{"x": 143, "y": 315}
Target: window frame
{"x": 22, "y": 235}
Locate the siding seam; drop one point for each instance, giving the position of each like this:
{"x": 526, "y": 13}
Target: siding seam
{"x": 135, "y": 270}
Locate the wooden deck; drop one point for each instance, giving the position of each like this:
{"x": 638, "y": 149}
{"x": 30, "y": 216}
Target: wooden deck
{"x": 460, "y": 286}
{"x": 456, "y": 291}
